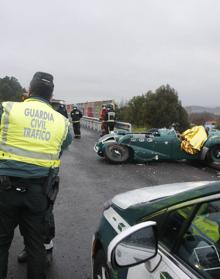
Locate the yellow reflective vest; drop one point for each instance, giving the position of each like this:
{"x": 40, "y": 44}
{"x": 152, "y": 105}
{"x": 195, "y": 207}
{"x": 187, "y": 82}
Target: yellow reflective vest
{"x": 32, "y": 132}
{"x": 207, "y": 227}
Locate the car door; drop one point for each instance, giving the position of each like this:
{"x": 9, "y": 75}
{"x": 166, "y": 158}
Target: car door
{"x": 165, "y": 270}
{"x": 144, "y": 146}
{"x": 189, "y": 244}
{"x": 166, "y": 143}
{"x": 152, "y": 147}
{"x": 163, "y": 146}
{"x": 164, "y": 266}
{"x": 199, "y": 247}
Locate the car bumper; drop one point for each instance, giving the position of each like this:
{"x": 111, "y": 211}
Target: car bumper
{"x": 98, "y": 150}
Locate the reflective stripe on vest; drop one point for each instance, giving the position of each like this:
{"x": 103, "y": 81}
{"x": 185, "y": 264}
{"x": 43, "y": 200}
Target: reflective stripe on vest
{"x": 111, "y": 116}
{"x": 32, "y": 132}
{"x": 5, "y": 121}
{"x": 25, "y": 153}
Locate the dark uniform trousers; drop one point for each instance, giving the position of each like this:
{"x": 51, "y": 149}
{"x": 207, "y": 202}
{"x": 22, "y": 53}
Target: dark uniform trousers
{"x": 104, "y": 128}
{"x": 76, "y": 128}
{"x": 28, "y": 210}
{"x": 111, "y": 125}
{"x": 107, "y": 127}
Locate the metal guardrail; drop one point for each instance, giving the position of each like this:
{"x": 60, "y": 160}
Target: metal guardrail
{"x": 91, "y": 123}
{"x": 123, "y": 126}
{"x": 94, "y": 124}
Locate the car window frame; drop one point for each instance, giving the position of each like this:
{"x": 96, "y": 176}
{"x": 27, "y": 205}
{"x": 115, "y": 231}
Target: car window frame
{"x": 197, "y": 202}
{"x": 184, "y": 228}
{"x": 184, "y": 266}
{"x": 177, "y": 246}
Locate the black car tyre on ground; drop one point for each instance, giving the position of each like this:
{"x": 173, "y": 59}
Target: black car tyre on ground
{"x": 100, "y": 268}
{"x": 214, "y": 154}
{"x": 116, "y": 153}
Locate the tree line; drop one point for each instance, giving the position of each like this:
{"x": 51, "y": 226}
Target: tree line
{"x": 158, "y": 109}
{"x": 10, "y": 89}
{"x": 161, "y": 108}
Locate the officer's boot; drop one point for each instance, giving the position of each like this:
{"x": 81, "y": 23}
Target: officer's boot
{"x": 49, "y": 251}
{"x": 22, "y": 256}
{"x": 49, "y": 257}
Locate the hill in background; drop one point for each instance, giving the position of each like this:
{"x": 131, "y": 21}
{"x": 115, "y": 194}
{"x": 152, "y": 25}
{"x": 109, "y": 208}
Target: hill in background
{"x": 200, "y": 109}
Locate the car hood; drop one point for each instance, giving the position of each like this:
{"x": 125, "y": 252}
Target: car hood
{"x": 148, "y": 194}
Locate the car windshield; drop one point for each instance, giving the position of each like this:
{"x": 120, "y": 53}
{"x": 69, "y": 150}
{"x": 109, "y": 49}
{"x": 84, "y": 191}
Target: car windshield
{"x": 170, "y": 132}
{"x": 106, "y": 137}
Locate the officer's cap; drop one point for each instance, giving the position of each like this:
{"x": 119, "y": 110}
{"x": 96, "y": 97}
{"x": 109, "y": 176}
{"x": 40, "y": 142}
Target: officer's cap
{"x": 41, "y": 78}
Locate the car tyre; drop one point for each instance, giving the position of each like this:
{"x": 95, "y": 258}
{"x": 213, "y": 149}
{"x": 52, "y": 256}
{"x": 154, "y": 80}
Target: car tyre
{"x": 116, "y": 153}
{"x": 214, "y": 154}
{"x": 100, "y": 268}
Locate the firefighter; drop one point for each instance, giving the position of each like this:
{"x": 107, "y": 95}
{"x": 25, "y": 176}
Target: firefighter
{"x": 76, "y": 115}
{"x": 58, "y": 106}
{"x": 102, "y": 118}
{"x": 29, "y": 164}
{"x": 62, "y": 109}
{"x": 107, "y": 118}
{"x": 110, "y": 117}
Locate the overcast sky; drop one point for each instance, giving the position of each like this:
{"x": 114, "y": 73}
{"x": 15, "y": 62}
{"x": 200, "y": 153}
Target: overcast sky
{"x": 114, "y": 49}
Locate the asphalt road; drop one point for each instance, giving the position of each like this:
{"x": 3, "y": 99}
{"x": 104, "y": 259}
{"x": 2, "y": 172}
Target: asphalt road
{"x": 87, "y": 181}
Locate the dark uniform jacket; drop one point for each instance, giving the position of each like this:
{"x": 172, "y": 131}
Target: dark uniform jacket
{"x": 76, "y": 114}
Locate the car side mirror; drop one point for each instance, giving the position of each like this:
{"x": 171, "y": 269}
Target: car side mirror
{"x": 133, "y": 246}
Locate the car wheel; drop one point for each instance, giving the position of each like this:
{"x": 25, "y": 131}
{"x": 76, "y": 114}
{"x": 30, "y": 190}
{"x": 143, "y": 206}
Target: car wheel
{"x": 214, "y": 154}
{"x": 100, "y": 268}
{"x": 116, "y": 153}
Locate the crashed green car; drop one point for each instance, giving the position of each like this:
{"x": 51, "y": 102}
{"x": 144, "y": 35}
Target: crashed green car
{"x": 157, "y": 144}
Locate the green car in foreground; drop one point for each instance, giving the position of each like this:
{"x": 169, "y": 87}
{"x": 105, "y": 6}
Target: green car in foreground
{"x": 158, "y": 144}
{"x": 164, "y": 232}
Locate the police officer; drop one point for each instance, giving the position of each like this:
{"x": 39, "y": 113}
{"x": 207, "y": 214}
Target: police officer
{"x": 49, "y": 220}
{"x": 76, "y": 114}
{"x": 31, "y": 136}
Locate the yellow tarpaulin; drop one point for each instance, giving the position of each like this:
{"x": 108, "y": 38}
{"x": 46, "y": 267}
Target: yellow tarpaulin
{"x": 193, "y": 139}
